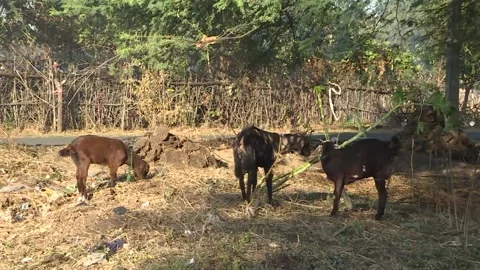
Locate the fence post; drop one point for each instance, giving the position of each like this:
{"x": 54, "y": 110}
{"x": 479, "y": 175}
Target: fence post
{"x": 124, "y": 110}
{"x": 59, "y": 91}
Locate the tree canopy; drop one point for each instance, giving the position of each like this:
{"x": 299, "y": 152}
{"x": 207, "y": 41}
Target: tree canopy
{"x": 392, "y": 37}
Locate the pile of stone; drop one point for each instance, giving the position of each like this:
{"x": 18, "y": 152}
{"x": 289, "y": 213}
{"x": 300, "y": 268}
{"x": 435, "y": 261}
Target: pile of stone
{"x": 164, "y": 146}
{"x": 427, "y": 128}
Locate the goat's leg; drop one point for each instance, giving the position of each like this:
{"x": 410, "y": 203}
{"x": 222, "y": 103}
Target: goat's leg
{"x": 251, "y": 182}
{"x": 339, "y": 184}
{"x": 382, "y": 197}
{"x": 113, "y": 175}
{"x": 80, "y": 182}
{"x": 269, "y": 181}
{"x": 81, "y": 175}
{"x": 240, "y": 177}
{"x": 241, "y": 182}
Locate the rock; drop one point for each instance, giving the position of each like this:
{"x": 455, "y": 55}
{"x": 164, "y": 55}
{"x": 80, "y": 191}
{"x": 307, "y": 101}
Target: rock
{"x": 120, "y": 210}
{"x": 433, "y": 137}
{"x": 141, "y": 144}
{"x": 26, "y": 260}
{"x": 198, "y": 160}
{"x": 190, "y": 146}
{"x": 143, "y": 152}
{"x": 94, "y": 258}
{"x": 165, "y": 146}
{"x": 151, "y": 155}
{"x": 176, "y": 156}
{"x": 8, "y": 189}
{"x": 160, "y": 134}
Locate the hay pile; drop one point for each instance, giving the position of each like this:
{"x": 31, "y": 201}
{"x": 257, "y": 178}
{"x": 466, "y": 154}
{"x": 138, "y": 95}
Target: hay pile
{"x": 167, "y": 147}
{"x": 433, "y": 138}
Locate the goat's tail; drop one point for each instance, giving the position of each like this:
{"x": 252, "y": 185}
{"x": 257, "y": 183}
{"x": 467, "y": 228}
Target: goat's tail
{"x": 395, "y": 144}
{"x": 65, "y": 152}
{"x": 246, "y": 154}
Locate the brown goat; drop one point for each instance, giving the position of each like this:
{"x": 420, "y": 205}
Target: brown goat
{"x": 361, "y": 159}
{"x": 92, "y": 149}
{"x": 255, "y": 148}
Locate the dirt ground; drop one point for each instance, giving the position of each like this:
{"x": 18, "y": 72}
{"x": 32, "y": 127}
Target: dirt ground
{"x": 193, "y": 218}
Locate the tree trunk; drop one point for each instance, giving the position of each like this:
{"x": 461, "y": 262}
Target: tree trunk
{"x": 468, "y": 88}
{"x": 454, "y": 45}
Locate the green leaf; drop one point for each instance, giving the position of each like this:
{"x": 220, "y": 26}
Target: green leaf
{"x": 440, "y": 103}
{"x": 399, "y": 97}
{"x": 239, "y": 4}
{"x": 420, "y": 127}
{"x": 318, "y": 90}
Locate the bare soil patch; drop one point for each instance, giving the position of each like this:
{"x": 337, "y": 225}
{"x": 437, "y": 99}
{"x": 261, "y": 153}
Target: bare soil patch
{"x": 185, "y": 217}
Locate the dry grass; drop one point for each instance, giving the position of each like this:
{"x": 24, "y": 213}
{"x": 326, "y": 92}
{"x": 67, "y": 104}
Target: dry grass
{"x": 198, "y": 214}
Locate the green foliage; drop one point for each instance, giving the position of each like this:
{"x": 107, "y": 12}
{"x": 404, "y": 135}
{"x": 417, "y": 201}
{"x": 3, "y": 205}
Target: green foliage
{"x": 420, "y": 127}
{"x": 29, "y": 21}
{"x": 163, "y": 34}
{"x": 384, "y": 41}
{"x": 438, "y": 101}
{"x": 376, "y": 61}
{"x": 399, "y": 97}
{"x": 318, "y": 90}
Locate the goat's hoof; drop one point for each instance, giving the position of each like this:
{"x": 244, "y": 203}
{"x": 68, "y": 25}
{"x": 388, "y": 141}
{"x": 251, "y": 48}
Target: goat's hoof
{"x": 81, "y": 201}
{"x": 111, "y": 185}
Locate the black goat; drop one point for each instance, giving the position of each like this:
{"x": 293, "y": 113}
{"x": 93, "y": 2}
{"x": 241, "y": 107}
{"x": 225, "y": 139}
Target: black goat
{"x": 255, "y": 148}
{"x": 361, "y": 159}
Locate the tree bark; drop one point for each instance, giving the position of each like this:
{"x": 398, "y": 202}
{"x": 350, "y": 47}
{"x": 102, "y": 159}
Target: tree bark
{"x": 454, "y": 45}
{"x": 468, "y": 88}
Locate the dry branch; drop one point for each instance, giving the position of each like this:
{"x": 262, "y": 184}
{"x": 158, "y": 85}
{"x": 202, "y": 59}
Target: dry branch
{"x": 206, "y": 40}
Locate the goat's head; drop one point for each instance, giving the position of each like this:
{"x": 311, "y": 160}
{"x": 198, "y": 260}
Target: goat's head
{"x": 140, "y": 167}
{"x": 328, "y": 145}
{"x": 296, "y": 142}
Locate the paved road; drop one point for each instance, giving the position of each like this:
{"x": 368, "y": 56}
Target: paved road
{"x": 52, "y": 140}
{"x": 64, "y": 140}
